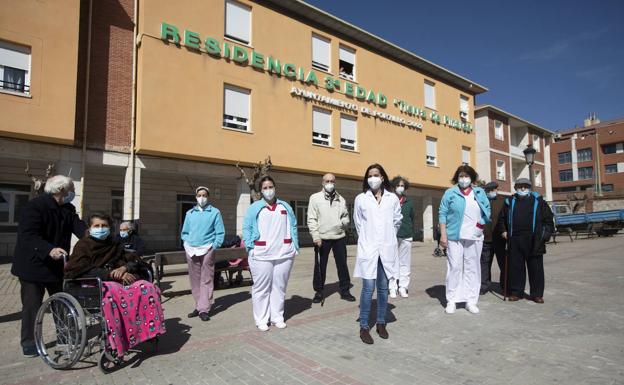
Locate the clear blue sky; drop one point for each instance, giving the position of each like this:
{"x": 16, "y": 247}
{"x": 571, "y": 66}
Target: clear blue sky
{"x": 549, "y": 62}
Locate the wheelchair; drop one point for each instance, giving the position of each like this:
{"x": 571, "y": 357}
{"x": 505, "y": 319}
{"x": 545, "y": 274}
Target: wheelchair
{"x": 72, "y": 321}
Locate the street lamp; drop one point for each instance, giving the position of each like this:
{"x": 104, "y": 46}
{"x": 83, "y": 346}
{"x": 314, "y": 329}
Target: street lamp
{"x": 529, "y": 157}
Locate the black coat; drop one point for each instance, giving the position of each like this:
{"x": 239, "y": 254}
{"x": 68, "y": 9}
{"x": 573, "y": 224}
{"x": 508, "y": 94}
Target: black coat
{"x": 44, "y": 225}
{"x": 544, "y": 225}
{"x": 132, "y": 242}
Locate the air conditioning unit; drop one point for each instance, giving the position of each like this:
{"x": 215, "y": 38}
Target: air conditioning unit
{"x": 463, "y": 115}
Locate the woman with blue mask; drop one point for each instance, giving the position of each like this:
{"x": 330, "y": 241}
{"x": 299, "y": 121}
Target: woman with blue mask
{"x": 464, "y": 212}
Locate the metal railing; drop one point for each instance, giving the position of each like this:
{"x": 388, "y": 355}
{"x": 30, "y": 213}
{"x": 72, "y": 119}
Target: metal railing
{"x": 15, "y": 87}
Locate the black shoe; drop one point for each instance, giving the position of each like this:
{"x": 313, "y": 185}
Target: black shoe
{"x": 30, "y": 351}
{"x": 347, "y": 296}
{"x": 381, "y": 330}
{"x": 193, "y": 314}
{"x": 204, "y": 316}
{"x": 318, "y": 297}
{"x": 366, "y": 337}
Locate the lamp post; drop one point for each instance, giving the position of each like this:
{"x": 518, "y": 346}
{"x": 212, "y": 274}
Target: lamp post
{"x": 529, "y": 157}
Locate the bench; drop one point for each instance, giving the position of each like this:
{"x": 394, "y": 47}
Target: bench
{"x": 179, "y": 257}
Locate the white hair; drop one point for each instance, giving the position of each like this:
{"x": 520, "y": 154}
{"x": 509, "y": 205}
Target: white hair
{"x": 127, "y": 223}
{"x": 55, "y": 184}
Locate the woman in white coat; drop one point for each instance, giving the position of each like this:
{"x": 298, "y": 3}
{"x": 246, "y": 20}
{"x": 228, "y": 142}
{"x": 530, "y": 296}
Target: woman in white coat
{"x": 377, "y": 218}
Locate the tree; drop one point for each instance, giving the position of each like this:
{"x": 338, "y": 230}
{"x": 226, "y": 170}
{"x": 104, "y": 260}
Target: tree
{"x": 260, "y": 169}
{"x": 39, "y": 183}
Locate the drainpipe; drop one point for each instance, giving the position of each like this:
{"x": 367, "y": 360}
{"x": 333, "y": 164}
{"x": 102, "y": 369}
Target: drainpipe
{"x": 133, "y": 119}
{"x": 83, "y": 159}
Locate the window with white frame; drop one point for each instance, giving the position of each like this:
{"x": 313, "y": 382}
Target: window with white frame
{"x": 238, "y": 21}
{"x": 538, "y": 178}
{"x": 348, "y": 132}
{"x": 13, "y": 198}
{"x": 536, "y": 143}
{"x": 465, "y": 155}
{"x": 432, "y": 159}
{"x": 346, "y": 62}
{"x": 500, "y": 170}
{"x": 320, "y": 53}
{"x": 464, "y": 108}
{"x": 321, "y": 127}
{"x": 430, "y": 101}
{"x": 236, "y": 102}
{"x": 14, "y": 67}
{"x": 499, "y": 132}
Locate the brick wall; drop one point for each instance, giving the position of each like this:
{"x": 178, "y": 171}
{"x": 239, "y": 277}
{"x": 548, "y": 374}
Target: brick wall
{"x": 497, "y": 144}
{"x": 503, "y": 185}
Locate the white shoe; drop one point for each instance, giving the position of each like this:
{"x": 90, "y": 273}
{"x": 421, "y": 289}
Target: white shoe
{"x": 393, "y": 293}
{"x": 450, "y": 308}
{"x": 280, "y": 325}
{"x": 472, "y": 308}
{"x": 263, "y": 328}
{"x": 403, "y": 292}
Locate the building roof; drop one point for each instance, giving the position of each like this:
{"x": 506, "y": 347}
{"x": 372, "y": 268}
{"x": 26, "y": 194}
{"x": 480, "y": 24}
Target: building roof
{"x": 592, "y": 127}
{"x": 512, "y": 116}
{"x": 375, "y": 43}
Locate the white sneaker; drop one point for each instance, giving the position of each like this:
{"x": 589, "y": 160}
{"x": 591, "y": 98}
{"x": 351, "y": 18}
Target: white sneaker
{"x": 450, "y": 308}
{"x": 263, "y": 328}
{"x": 403, "y": 292}
{"x": 280, "y": 325}
{"x": 393, "y": 293}
{"x": 472, "y": 308}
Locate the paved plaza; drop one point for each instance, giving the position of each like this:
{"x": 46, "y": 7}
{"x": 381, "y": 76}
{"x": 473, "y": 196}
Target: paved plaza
{"x": 576, "y": 337}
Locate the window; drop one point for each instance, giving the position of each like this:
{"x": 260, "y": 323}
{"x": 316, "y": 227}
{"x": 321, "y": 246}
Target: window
{"x": 585, "y": 173}
{"x": 320, "y": 53}
{"x": 500, "y": 170}
{"x": 498, "y": 130}
{"x": 565, "y": 157}
{"x": 584, "y": 154}
{"x": 117, "y": 206}
{"x": 430, "y": 95}
{"x": 607, "y": 187}
{"x": 321, "y": 127}
{"x": 465, "y": 155}
{"x": 13, "y": 197}
{"x": 536, "y": 143}
{"x": 236, "y": 108}
{"x": 611, "y": 168}
{"x": 538, "y": 178}
{"x": 238, "y": 21}
{"x": 348, "y": 132}
{"x": 613, "y": 148}
{"x": 431, "y": 151}
{"x": 464, "y": 109}
{"x": 346, "y": 63}
{"x": 14, "y": 67}
{"x": 565, "y": 175}
{"x": 300, "y": 209}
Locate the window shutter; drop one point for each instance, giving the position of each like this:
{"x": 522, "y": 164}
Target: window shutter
{"x": 238, "y": 21}
{"x": 237, "y": 102}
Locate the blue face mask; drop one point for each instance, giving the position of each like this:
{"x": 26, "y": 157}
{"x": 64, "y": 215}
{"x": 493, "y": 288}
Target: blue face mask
{"x": 123, "y": 234}
{"x": 523, "y": 193}
{"x": 69, "y": 198}
{"x": 99, "y": 232}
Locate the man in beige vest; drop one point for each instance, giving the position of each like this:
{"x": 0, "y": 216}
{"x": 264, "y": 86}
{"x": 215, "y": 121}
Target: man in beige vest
{"x": 328, "y": 219}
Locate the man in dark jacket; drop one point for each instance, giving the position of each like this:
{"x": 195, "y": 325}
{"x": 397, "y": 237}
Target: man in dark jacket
{"x": 130, "y": 239}
{"x": 526, "y": 222}
{"x": 493, "y": 243}
{"x": 43, "y": 238}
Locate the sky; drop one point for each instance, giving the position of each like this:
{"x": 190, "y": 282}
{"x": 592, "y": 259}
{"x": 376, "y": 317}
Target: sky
{"x": 550, "y": 62}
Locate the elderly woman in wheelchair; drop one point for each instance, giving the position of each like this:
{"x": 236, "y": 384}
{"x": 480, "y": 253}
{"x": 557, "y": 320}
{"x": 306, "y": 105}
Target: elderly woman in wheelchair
{"x": 103, "y": 285}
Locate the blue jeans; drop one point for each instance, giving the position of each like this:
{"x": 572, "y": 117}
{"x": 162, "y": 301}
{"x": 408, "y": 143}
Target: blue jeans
{"x": 366, "y": 297}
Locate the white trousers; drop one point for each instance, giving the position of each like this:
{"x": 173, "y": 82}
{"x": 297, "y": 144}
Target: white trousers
{"x": 405, "y": 262}
{"x": 463, "y": 271}
{"x": 269, "y": 289}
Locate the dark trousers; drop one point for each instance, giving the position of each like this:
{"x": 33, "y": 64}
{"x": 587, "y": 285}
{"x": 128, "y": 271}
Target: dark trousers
{"x": 339, "y": 248}
{"x": 490, "y": 249}
{"x": 32, "y": 297}
{"x": 520, "y": 247}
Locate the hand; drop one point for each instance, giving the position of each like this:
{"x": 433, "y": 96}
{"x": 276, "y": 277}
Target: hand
{"x": 118, "y": 273}
{"x": 504, "y": 235}
{"x": 128, "y": 278}
{"x": 444, "y": 241}
{"x": 318, "y": 243}
{"x": 57, "y": 253}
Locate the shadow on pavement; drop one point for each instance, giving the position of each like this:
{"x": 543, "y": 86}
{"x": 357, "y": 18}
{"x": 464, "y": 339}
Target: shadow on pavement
{"x": 176, "y": 336}
{"x": 296, "y": 305}
{"x": 11, "y": 317}
{"x": 438, "y": 292}
{"x": 225, "y": 302}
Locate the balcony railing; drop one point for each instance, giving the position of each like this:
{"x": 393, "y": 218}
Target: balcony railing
{"x": 15, "y": 87}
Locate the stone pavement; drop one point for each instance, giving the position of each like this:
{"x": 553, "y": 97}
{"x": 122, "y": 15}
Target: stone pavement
{"x": 576, "y": 337}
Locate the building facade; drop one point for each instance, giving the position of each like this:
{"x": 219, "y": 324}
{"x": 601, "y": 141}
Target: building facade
{"x": 501, "y": 140}
{"x": 166, "y": 96}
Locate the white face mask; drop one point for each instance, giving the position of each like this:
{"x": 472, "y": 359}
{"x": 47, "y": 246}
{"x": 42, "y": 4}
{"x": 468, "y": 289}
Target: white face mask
{"x": 374, "y": 182}
{"x": 491, "y": 195}
{"x": 202, "y": 201}
{"x": 464, "y": 182}
{"x": 329, "y": 187}
{"x": 268, "y": 194}
{"x": 400, "y": 190}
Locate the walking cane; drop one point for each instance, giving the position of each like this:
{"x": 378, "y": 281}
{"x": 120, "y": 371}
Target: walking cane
{"x": 506, "y": 261}
{"x": 317, "y": 265}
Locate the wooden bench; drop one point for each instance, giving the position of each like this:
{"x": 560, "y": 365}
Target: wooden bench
{"x": 179, "y": 257}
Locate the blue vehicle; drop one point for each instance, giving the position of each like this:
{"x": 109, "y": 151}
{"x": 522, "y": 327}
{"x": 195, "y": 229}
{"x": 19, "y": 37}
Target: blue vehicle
{"x": 602, "y": 223}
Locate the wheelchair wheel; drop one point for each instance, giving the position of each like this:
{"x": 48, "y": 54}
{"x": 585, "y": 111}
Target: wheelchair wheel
{"x": 60, "y": 331}
{"x": 108, "y": 361}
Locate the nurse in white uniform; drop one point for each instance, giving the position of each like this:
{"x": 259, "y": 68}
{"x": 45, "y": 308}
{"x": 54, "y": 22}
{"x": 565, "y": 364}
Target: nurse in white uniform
{"x": 377, "y": 218}
{"x": 464, "y": 211}
{"x": 270, "y": 235}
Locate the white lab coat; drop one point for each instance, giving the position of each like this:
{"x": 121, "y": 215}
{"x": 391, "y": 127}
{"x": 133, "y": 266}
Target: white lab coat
{"x": 377, "y": 226}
